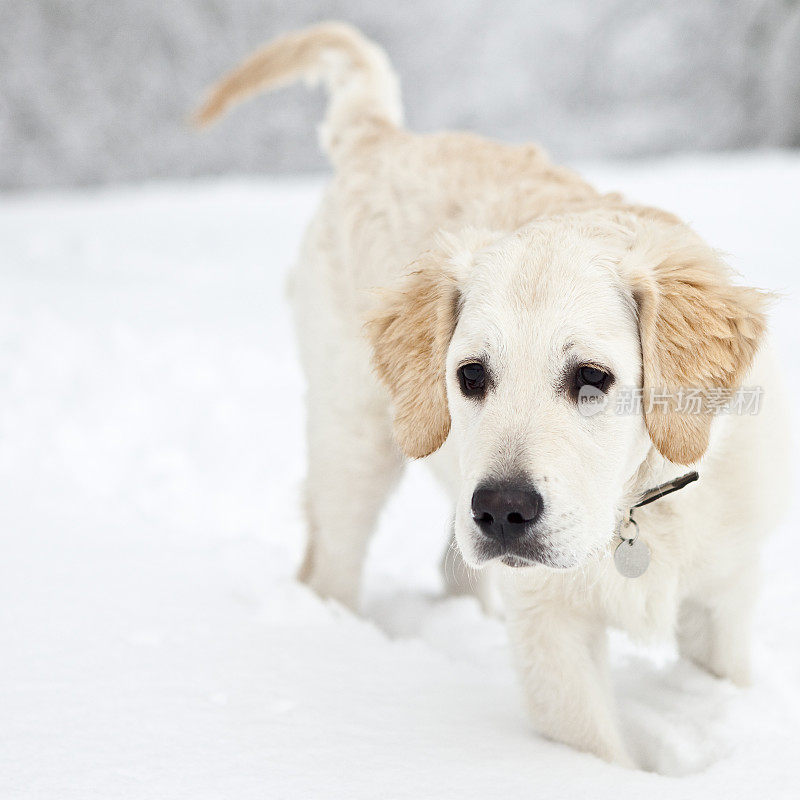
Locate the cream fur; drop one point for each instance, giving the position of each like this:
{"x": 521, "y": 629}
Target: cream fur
{"x": 520, "y": 262}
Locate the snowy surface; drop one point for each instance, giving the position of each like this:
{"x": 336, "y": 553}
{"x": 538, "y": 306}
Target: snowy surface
{"x": 154, "y": 643}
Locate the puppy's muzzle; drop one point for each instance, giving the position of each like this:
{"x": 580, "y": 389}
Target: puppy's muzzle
{"x": 506, "y": 512}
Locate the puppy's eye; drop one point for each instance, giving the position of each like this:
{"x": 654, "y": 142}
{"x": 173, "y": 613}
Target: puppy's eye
{"x": 472, "y": 379}
{"x": 588, "y": 375}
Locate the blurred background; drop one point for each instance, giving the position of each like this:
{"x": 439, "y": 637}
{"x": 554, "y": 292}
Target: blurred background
{"x": 96, "y": 91}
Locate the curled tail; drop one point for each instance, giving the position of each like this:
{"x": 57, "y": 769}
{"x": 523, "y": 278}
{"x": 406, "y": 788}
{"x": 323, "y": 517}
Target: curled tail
{"x": 364, "y": 91}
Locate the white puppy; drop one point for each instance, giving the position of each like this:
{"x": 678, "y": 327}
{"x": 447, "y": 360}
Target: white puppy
{"x": 532, "y": 314}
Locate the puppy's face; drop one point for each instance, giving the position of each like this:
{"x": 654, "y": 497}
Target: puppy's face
{"x": 521, "y": 348}
{"x": 546, "y": 341}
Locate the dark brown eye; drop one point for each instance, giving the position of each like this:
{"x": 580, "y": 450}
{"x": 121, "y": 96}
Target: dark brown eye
{"x": 472, "y": 379}
{"x": 588, "y": 375}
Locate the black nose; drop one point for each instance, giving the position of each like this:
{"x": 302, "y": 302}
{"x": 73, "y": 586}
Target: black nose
{"x": 505, "y": 512}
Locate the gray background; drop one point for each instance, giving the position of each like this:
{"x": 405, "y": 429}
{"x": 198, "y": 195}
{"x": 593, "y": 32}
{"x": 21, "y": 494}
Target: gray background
{"x": 93, "y": 92}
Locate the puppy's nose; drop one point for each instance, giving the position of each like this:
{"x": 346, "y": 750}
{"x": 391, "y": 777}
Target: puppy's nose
{"x": 505, "y": 512}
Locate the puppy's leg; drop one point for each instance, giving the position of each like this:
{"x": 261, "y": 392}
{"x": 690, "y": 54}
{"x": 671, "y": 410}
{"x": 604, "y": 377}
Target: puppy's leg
{"x": 562, "y": 660}
{"x": 353, "y": 465}
{"x": 716, "y": 632}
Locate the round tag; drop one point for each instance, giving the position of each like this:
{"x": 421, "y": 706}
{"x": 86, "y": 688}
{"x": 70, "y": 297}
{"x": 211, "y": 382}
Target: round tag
{"x": 632, "y": 557}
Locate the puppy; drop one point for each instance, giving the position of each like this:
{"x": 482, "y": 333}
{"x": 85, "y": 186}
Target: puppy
{"x": 539, "y": 341}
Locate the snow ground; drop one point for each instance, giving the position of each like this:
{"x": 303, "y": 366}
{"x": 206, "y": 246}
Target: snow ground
{"x": 151, "y": 450}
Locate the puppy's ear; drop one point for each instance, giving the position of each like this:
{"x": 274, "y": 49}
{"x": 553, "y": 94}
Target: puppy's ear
{"x": 698, "y": 332}
{"x": 410, "y": 333}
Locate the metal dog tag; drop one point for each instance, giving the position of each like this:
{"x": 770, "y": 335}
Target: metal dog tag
{"x": 632, "y": 556}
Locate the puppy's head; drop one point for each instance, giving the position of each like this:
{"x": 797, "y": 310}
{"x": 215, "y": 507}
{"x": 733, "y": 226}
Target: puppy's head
{"x": 532, "y": 350}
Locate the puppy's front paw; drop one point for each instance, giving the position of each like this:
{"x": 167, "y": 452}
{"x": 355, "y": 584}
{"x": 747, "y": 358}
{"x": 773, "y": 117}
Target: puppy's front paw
{"x": 613, "y": 753}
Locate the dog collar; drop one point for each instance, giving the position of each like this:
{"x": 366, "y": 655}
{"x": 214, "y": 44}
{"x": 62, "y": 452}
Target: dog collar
{"x": 632, "y": 555}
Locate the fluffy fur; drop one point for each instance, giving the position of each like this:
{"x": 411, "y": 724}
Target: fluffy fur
{"x": 454, "y": 249}
{"x": 411, "y": 333}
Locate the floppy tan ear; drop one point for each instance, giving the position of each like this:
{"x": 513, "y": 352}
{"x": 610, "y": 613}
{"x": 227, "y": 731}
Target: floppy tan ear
{"x": 698, "y": 331}
{"x": 410, "y": 333}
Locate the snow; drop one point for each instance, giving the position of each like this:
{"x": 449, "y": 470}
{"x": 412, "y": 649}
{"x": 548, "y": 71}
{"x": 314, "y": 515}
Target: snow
{"x": 154, "y": 641}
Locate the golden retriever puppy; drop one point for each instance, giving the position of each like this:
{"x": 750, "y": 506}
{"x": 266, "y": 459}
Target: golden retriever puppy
{"x": 560, "y": 355}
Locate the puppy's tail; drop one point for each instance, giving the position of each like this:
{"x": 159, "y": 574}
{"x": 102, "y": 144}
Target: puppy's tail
{"x": 364, "y": 91}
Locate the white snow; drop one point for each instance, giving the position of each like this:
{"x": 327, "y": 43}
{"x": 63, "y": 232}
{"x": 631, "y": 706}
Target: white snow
{"x": 154, "y": 643}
